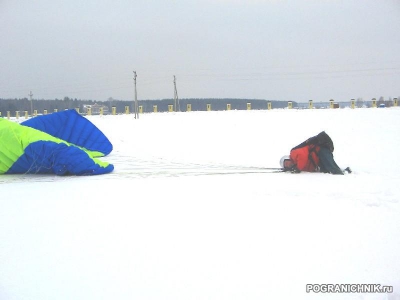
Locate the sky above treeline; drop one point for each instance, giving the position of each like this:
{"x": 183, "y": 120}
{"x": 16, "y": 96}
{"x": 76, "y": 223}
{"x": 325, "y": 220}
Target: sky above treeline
{"x": 259, "y": 49}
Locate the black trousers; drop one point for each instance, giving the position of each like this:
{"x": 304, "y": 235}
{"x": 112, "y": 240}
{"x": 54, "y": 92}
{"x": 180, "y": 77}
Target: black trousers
{"x": 326, "y": 162}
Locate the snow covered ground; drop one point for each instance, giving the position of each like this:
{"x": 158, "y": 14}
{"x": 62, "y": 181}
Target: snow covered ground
{"x": 189, "y": 213}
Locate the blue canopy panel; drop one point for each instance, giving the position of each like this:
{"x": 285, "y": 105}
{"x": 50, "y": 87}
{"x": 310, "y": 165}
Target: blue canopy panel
{"x": 71, "y": 127}
{"x": 43, "y": 157}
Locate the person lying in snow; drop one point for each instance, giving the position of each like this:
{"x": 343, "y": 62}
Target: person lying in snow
{"x": 313, "y": 155}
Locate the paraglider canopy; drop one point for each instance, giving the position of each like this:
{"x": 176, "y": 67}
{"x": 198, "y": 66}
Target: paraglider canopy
{"x": 62, "y": 143}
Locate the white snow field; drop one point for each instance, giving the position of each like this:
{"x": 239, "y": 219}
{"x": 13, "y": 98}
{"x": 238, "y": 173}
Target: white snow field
{"x": 190, "y": 213}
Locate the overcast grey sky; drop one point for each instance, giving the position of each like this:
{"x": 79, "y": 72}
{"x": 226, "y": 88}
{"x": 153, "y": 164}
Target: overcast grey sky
{"x": 263, "y": 49}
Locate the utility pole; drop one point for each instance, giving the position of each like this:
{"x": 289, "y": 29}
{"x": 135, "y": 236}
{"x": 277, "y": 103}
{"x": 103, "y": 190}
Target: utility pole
{"x": 31, "y": 95}
{"x": 176, "y": 99}
{"x": 136, "y": 104}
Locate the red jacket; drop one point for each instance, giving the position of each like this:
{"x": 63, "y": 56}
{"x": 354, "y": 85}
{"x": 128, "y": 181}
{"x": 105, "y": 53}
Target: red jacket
{"x": 305, "y": 158}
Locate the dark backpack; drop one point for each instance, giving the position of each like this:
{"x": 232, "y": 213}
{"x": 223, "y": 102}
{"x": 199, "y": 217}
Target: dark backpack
{"x": 322, "y": 139}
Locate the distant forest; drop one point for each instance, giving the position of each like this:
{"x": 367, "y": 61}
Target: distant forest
{"x": 24, "y": 104}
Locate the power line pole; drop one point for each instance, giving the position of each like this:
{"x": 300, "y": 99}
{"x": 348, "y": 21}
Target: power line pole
{"x": 176, "y": 99}
{"x": 136, "y": 104}
{"x": 31, "y": 95}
